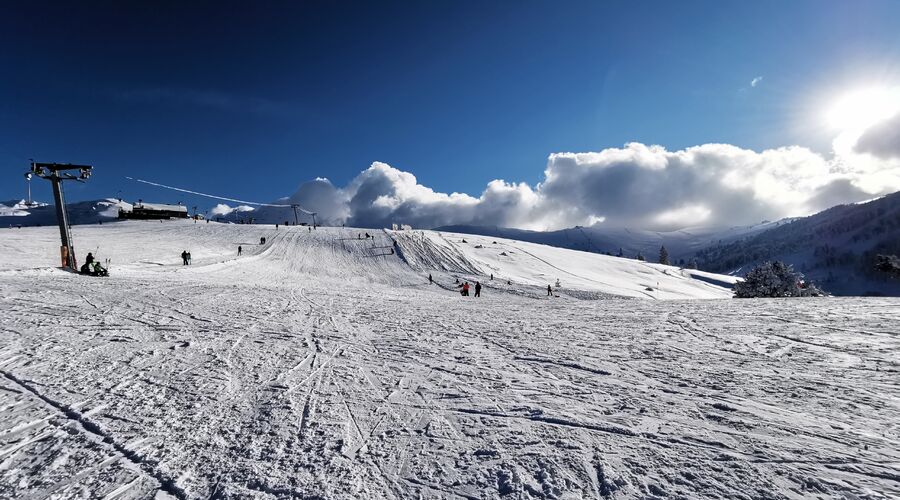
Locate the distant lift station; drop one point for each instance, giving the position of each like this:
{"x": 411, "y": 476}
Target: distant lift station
{"x": 56, "y": 173}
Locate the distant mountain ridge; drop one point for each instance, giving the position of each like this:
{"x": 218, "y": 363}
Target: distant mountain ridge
{"x": 681, "y": 244}
{"x": 14, "y": 213}
{"x": 835, "y": 248}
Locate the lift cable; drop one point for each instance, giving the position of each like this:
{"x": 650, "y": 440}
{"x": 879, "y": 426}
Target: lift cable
{"x": 307, "y": 212}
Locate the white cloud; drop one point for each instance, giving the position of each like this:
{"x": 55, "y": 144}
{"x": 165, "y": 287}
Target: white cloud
{"x": 756, "y": 81}
{"x": 223, "y": 209}
{"x": 636, "y": 185}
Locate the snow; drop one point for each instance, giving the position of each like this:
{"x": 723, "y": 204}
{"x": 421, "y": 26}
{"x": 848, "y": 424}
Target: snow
{"x": 541, "y": 265}
{"x": 320, "y": 365}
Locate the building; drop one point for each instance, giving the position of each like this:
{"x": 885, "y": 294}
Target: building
{"x": 141, "y": 210}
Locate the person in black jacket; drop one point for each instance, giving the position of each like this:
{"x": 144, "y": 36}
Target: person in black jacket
{"x": 184, "y": 260}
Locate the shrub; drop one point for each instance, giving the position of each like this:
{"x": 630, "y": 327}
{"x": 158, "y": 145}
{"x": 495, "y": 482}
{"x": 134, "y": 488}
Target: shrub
{"x": 774, "y": 279}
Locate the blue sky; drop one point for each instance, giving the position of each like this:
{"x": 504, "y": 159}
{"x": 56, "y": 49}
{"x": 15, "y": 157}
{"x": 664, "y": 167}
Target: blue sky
{"x": 250, "y": 100}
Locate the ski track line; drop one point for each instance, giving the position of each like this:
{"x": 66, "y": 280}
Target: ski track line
{"x": 92, "y": 430}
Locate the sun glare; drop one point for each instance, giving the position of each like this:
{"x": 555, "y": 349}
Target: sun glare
{"x": 859, "y": 110}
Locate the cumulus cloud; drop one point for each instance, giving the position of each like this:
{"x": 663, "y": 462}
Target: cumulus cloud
{"x": 640, "y": 186}
{"x": 637, "y": 186}
{"x": 222, "y": 209}
{"x": 756, "y": 81}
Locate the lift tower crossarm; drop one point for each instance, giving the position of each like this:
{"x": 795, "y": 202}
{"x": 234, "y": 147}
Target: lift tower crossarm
{"x": 56, "y": 173}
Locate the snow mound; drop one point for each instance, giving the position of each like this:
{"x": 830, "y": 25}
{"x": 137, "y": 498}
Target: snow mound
{"x": 538, "y": 265}
{"x": 397, "y": 258}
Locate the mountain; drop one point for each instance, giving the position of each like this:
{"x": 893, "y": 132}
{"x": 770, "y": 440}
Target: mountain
{"x": 835, "y": 248}
{"x": 14, "y": 213}
{"x": 681, "y": 245}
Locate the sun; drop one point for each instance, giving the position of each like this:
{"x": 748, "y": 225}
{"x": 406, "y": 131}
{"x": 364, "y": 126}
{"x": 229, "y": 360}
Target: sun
{"x": 862, "y": 108}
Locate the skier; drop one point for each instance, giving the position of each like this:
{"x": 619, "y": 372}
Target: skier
{"x": 465, "y": 289}
{"x": 549, "y": 291}
{"x": 430, "y": 281}
{"x": 478, "y": 289}
{"x": 189, "y": 258}
{"x": 89, "y": 259}
{"x": 492, "y": 276}
{"x": 276, "y": 226}
{"x": 184, "y": 258}
{"x": 240, "y": 250}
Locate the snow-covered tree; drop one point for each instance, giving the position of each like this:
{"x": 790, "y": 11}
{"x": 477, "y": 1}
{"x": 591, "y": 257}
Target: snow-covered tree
{"x": 772, "y": 279}
{"x": 888, "y": 264}
{"x": 663, "y": 255}
{"x": 640, "y": 257}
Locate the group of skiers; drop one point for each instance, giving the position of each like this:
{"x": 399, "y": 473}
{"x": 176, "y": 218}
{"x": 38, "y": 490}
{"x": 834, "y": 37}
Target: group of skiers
{"x": 464, "y": 287}
{"x": 92, "y": 267}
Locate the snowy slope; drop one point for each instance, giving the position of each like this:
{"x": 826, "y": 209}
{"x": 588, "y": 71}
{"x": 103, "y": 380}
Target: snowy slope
{"x": 321, "y": 365}
{"x": 835, "y": 248}
{"x": 339, "y": 253}
{"x": 540, "y": 265}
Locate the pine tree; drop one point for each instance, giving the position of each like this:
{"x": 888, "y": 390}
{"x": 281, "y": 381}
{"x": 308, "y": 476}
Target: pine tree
{"x": 640, "y": 257}
{"x": 772, "y": 279}
{"x": 621, "y": 253}
{"x": 663, "y": 255}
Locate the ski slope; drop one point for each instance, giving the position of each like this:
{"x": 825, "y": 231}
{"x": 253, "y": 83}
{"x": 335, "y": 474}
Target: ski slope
{"x": 541, "y": 265}
{"x": 134, "y": 247}
{"x": 322, "y": 365}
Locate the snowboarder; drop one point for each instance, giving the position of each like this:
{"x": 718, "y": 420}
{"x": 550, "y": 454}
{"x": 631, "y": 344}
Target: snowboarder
{"x": 240, "y": 250}
{"x": 89, "y": 259}
{"x": 184, "y": 258}
{"x": 430, "y": 280}
{"x": 478, "y": 289}
{"x": 549, "y": 291}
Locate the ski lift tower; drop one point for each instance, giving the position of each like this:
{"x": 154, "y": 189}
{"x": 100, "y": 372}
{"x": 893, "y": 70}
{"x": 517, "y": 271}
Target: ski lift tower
{"x": 56, "y": 173}
{"x": 297, "y": 218}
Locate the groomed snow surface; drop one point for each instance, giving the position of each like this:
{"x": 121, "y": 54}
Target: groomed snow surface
{"x": 321, "y": 365}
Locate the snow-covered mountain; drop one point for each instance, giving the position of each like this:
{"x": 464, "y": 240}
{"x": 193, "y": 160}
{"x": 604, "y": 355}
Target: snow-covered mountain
{"x": 835, "y": 248}
{"x": 681, "y": 244}
{"x": 388, "y": 257}
{"x": 43, "y": 214}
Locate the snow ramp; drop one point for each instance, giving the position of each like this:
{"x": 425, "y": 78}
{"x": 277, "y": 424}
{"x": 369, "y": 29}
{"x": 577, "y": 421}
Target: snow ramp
{"x": 532, "y": 264}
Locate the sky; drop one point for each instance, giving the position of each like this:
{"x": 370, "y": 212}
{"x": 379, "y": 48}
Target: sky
{"x": 534, "y": 114}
